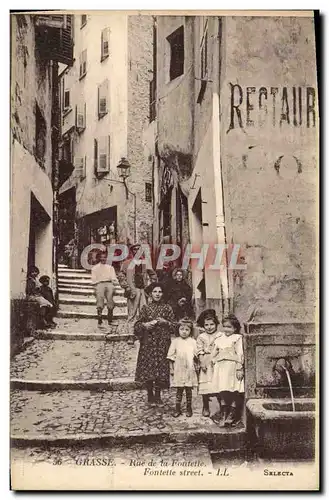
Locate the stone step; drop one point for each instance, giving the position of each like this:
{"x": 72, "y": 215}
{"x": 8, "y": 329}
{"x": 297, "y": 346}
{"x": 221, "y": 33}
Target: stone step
{"x": 65, "y": 270}
{"x": 86, "y": 326}
{"x": 115, "y": 384}
{"x": 113, "y": 417}
{"x": 89, "y": 307}
{"x": 78, "y": 290}
{"x": 69, "y": 311}
{"x": 109, "y": 333}
{"x": 68, "y": 299}
{"x": 75, "y": 276}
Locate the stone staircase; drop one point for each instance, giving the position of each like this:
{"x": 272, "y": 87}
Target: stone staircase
{"x": 76, "y": 295}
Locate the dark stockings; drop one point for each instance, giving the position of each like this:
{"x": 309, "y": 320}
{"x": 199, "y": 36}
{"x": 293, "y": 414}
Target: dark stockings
{"x": 179, "y": 397}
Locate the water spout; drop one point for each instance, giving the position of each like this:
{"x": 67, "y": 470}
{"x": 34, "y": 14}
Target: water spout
{"x": 290, "y": 387}
{"x": 280, "y": 365}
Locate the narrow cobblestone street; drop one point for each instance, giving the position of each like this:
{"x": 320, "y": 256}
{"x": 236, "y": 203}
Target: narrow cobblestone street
{"x": 74, "y": 393}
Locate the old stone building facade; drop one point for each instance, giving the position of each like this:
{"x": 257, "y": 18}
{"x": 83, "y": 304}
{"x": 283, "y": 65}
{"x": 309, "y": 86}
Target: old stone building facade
{"x": 237, "y": 144}
{"x": 105, "y": 116}
{"x": 36, "y": 41}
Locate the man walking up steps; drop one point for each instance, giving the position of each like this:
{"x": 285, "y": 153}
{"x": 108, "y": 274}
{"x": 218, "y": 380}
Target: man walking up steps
{"x": 103, "y": 278}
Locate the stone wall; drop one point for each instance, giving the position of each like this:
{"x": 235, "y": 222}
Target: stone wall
{"x": 269, "y": 156}
{"x": 140, "y": 73}
{"x": 31, "y": 82}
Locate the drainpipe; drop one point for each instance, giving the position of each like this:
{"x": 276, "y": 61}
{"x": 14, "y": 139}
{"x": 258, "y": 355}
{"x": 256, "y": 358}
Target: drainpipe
{"x": 55, "y": 123}
{"x": 219, "y": 192}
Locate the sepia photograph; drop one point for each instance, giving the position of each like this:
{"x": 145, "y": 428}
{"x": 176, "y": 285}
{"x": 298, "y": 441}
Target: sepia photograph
{"x": 164, "y": 235}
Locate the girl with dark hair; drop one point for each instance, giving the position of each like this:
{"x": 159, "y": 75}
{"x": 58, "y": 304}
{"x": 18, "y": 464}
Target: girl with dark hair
{"x": 182, "y": 358}
{"x": 209, "y": 322}
{"x": 228, "y": 362}
{"x": 154, "y": 328}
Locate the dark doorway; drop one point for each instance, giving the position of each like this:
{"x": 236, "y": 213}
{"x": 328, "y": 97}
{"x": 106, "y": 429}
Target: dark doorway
{"x": 39, "y": 219}
{"x": 67, "y": 209}
{"x": 98, "y": 227}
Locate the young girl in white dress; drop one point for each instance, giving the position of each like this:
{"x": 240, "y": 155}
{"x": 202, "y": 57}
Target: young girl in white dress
{"x": 228, "y": 370}
{"x": 182, "y": 358}
{"x": 205, "y": 342}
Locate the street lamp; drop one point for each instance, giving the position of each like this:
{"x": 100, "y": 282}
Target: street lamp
{"x": 124, "y": 172}
{"x": 124, "y": 169}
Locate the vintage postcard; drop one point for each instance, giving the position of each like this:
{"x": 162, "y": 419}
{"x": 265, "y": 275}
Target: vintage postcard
{"x": 164, "y": 235}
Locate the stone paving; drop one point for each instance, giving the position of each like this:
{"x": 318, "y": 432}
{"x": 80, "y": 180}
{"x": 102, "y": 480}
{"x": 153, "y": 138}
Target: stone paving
{"x": 88, "y": 325}
{"x": 69, "y": 413}
{"x": 75, "y": 360}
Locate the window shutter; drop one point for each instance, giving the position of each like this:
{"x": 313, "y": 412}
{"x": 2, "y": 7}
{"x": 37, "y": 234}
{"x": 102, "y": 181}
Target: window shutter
{"x": 83, "y": 63}
{"x": 80, "y": 167}
{"x": 66, "y": 99}
{"x": 95, "y": 155}
{"x": 54, "y": 37}
{"x": 102, "y": 99}
{"x": 81, "y": 117}
{"x": 103, "y": 156}
{"x": 105, "y": 39}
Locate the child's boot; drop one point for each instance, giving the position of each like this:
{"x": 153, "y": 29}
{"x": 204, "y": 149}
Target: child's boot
{"x": 205, "y": 409}
{"x": 99, "y": 317}
{"x": 109, "y": 316}
{"x": 150, "y": 395}
{"x": 189, "y": 412}
{"x": 178, "y": 410}
{"x": 157, "y": 397}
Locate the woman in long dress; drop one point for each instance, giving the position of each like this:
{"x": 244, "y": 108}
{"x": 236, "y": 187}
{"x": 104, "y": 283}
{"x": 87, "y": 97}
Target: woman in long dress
{"x": 154, "y": 329}
{"x": 180, "y": 296}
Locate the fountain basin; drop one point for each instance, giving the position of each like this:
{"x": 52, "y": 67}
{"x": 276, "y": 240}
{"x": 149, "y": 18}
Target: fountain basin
{"x": 274, "y": 430}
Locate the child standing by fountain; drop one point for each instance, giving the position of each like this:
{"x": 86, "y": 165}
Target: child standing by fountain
{"x": 182, "y": 359}
{"x": 205, "y": 344}
{"x": 228, "y": 370}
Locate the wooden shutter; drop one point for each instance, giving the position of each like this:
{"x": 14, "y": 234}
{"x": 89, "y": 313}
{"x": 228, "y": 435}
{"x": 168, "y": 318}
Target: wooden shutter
{"x": 95, "y": 155}
{"x": 54, "y": 37}
{"x": 103, "y": 99}
{"x": 80, "y": 167}
{"x": 83, "y": 63}
{"x": 105, "y": 41}
{"x": 103, "y": 156}
{"x": 80, "y": 117}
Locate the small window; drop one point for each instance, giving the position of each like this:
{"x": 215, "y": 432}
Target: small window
{"x": 176, "y": 41}
{"x": 83, "y": 63}
{"x": 102, "y": 149}
{"x": 65, "y": 97}
{"x": 67, "y": 100}
{"x": 80, "y": 117}
{"x": 83, "y": 20}
{"x": 40, "y": 135}
{"x": 80, "y": 167}
{"x": 103, "y": 99}
{"x": 67, "y": 150}
{"x": 148, "y": 192}
{"x": 105, "y": 50}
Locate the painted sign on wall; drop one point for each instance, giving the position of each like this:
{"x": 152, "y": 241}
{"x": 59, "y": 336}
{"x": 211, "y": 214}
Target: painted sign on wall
{"x": 274, "y": 106}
